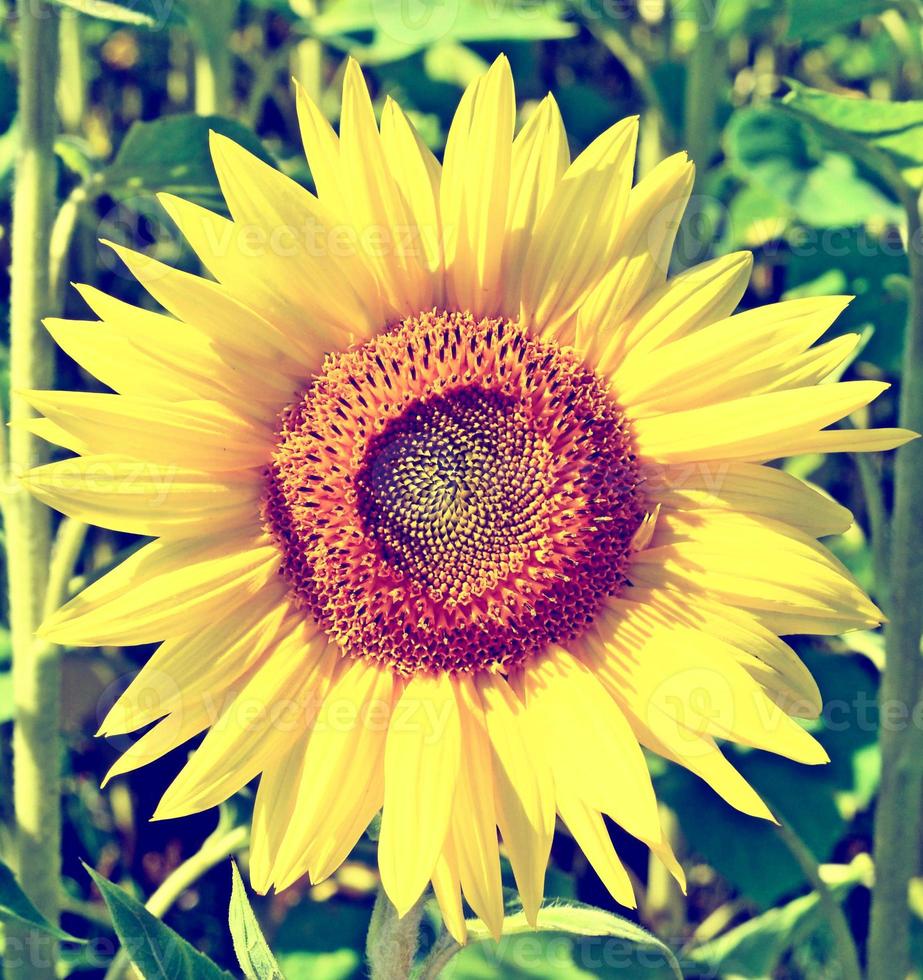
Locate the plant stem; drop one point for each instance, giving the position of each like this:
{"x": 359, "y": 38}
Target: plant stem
{"x": 36, "y": 677}
{"x": 846, "y": 957}
{"x": 701, "y": 89}
{"x": 703, "y": 76}
{"x": 897, "y": 814}
{"x": 215, "y": 849}
{"x": 392, "y": 942}
{"x": 443, "y": 949}
{"x": 62, "y": 234}
{"x": 665, "y": 908}
{"x": 65, "y": 553}
{"x": 868, "y": 467}
{"x": 214, "y": 67}
{"x": 72, "y": 82}
{"x": 653, "y": 119}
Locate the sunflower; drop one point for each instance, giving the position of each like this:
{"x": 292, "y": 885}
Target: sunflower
{"x": 457, "y": 502}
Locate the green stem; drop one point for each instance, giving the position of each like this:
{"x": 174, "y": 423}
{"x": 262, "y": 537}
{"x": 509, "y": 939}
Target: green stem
{"x": 654, "y": 129}
{"x": 703, "y": 77}
{"x": 62, "y": 234}
{"x": 879, "y": 529}
{"x": 36, "y": 669}
{"x": 846, "y": 957}
{"x": 443, "y": 950}
{"x": 308, "y": 66}
{"x": 665, "y": 908}
{"x": 392, "y": 941}
{"x": 214, "y": 65}
{"x": 95, "y": 912}
{"x": 266, "y": 69}
{"x": 868, "y": 466}
{"x": 217, "y": 848}
{"x": 72, "y": 80}
{"x": 912, "y": 48}
{"x": 65, "y": 553}
{"x": 897, "y": 814}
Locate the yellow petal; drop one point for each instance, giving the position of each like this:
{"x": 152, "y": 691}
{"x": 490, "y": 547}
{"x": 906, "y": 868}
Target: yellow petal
{"x": 197, "y": 714}
{"x": 667, "y": 735}
{"x": 109, "y": 355}
{"x": 474, "y": 822}
{"x": 169, "y": 734}
{"x": 812, "y": 367}
{"x": 540, "y": 157}
{"x": 333, "y": 291}
{"x": 274, "y": 812}
{"x": 717, "y": 362}
{"x": 167, "y": 587}
{"x": 271, "y": 711}
{"x": 418, "y": 175}
{"x": 200, "y": 665}
{"x": 681, "y": 678}
{"x": 655, "y": 207}
{"x": 195, "y": 434}
{"x": 148, "y": 355}
{"x": 200, "y": 303}
{"x": 375, "y": 202}
{"x": 686, "y": 303}
{"x": 758, "y": 650}
{"x": 322, "y": 148}
{"x": 590, "y": 833}
{"x": 756, "y": 428}
{"x": 755, "y": 564}
{"x": 328, "y": 854}
{"x": 593, "y": 753}
{"x": 747, "y": 488}
{"x": 345, "y": 748}
{"x": 523, "y": 790}
{"x": 253, "y": 267}
{"x": 852, "y": 441}
{"x": 129, "y": 495}
{"x": 53, "y": 433}
{"x": 475, "y": 190}
{"x": 422, "y": 756}
{"x": 447, "y": 887}
{"x": 575, "y": 239}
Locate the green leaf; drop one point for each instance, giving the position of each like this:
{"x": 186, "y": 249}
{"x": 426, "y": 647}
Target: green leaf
{"x": 817, "y": 802}
{"x": 321, "y": 940}
{"x": 754, "y": 949}
{"x": 171, "y": 154}
{"x": 9, "y": 148}
{"x": 576, "y": 919}
{"x": 539, "y": 956}
{"x": 253, "y": 953}
{"x": 16, "y": 906}
{"x": 887, "y": 137}
{"x": 788, "y": 183}
{"x": 75, "y": 153}
{"x": 155, "y": 949}
{"x": 812, "y": 19}
{"x": 7, "y": 707}
{"x": 871, "y": 269}
{"x": 107, "y": 10}
{"x": 401, "y": 27}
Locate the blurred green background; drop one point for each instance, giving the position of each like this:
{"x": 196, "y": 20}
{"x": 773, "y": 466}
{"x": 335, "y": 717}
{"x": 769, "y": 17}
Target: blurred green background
{"x": 704, "y": 75}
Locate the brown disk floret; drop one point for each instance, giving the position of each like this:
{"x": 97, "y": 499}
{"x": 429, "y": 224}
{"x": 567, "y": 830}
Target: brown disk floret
{"x": 454, "y": 495}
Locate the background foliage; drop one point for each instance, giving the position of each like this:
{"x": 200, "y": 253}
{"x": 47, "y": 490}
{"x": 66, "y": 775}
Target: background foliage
{"x": 792, "y": 164}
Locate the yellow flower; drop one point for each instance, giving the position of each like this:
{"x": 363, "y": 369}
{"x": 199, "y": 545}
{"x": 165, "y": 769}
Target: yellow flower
{"x": 458, "y": 501}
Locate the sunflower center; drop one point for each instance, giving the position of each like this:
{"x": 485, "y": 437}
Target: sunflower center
{"x": 456, "y": 492}
{"x": 453, "y": 495}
